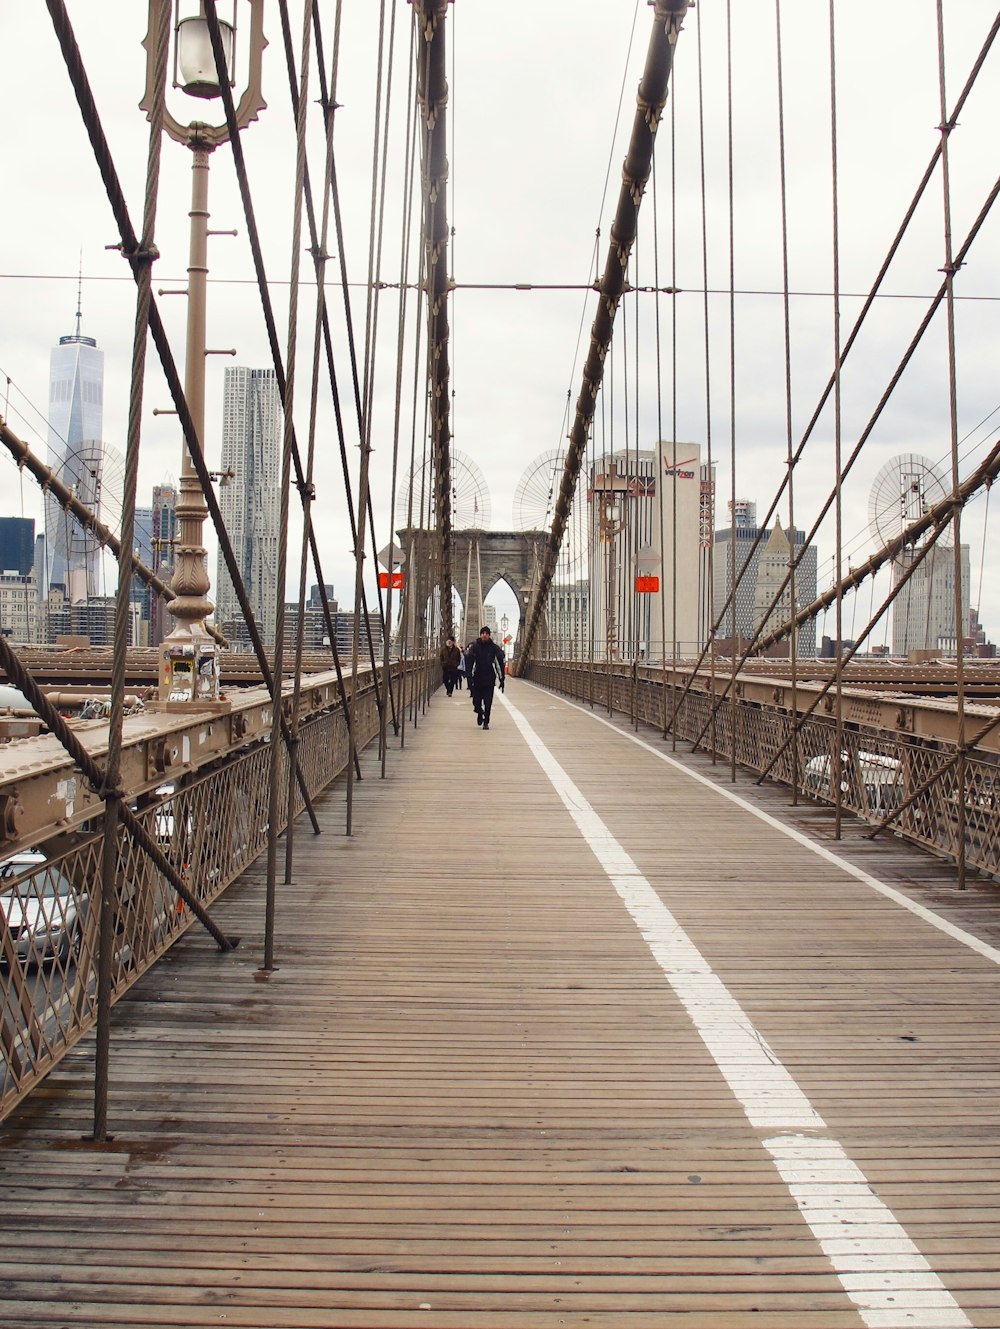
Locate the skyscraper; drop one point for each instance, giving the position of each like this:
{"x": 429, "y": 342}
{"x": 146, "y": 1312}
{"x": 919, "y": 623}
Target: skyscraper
{"x": 18, "y": 587}
{"x": 250, "y": 497}
{"x": 142, "y": 595}
{"x": 164, "y": 534}
{"x": 923, "y": 615}
{"x": 760, "y": 575}
{"x": 76, "y": 428}
{"x": 17, "y": 544}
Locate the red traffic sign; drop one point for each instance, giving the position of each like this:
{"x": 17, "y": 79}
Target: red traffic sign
{"x": 647, "y": 585}
{"x": 393, "y": 579}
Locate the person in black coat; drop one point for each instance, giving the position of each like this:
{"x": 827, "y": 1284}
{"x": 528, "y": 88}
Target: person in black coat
{"x": 450, "y": 655}
{"x": 488, "y": 667}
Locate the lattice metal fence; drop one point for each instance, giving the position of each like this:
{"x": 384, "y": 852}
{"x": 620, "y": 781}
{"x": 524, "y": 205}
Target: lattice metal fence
{"x": 880, "y": 773}
{"x": 211, "y": 827}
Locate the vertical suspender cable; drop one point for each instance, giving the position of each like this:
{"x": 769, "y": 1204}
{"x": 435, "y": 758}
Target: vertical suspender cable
{"x": 308, "y": 495}
{"x": 371, "y": 332}
{"x": 658, "y": 467}
{"x": 710, "y": 622}
{"x": 793, "y": 639}
{"x": 838, "y": 746}
{"x": 652, "y": 94}
{"x": 733, "y": 711}
{"x": 961, "y": 627}
{"x": 141, "y": 260}
{"x": 361, "y": 404}
{"x": 854, "y": 334}
{"x": 673, "y": 403}
{"x": 286, "y": 475}
{"x": 409, "y": 147}
{"x": 432, "y": 92}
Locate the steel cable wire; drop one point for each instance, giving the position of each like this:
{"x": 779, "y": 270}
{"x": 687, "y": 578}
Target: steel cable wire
{"x": 141, "y": 260}
{"x": 253, "y": 236}
{"x": 651, "y": 97}
{"x": 733, "y": 714}
{"x": 760, "y": 643}
{"x": 409, "y": 176}
{"x": 129, "y": 241}
{"x": 961, "y": 628}
{"x": 858, "y": 323}
{"x": 371, "y": 321}
{"x": 291, "y": 362}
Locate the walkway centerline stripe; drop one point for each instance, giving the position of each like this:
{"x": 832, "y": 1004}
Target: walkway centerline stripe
{"x": 950, "y": 929}
{"x": 879, "y": 1267}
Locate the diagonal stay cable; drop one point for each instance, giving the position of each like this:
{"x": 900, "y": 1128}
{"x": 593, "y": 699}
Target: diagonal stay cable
{"x": 288, "y": 401}
{"x": 932, "y": 523}
{"x": 409, "y": 173}
{"x": 276, "y": 354}
{"x": 760, "y": 642}
{"x": 129, "y": 242}
{"x": 330, "y": 183}
{"x": 96, "y": 777}
{"x": 65, "y": 496}
{"x": 848, "y": 344}
{"x": 650, "y": 100}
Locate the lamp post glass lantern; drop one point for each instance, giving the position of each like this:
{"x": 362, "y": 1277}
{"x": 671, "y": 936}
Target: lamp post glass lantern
{"x": 189, "y": 672}
{"x": 194, "y": 60}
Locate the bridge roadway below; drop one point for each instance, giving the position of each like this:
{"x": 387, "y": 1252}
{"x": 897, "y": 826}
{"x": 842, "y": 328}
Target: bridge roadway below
{"x": 567, "y": 1034}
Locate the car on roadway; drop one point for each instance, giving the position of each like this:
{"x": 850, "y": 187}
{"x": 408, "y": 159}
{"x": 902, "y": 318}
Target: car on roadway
{"x": 43, "y": 912}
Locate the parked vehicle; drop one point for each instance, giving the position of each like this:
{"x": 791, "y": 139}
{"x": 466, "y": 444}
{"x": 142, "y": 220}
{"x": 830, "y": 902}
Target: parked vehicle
{"x": 43, "y": 912}
{"x": 873, "y": 779}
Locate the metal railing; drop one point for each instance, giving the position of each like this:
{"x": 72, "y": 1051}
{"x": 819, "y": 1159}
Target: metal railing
{"x": 906, "y": 782}
{"x": 211, "y": 825}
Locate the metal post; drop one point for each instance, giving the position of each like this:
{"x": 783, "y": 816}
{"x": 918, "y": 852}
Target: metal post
{"x": 188, "y": 669}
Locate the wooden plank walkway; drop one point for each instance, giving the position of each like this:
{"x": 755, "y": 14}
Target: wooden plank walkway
{"x": 479, "y": 1092}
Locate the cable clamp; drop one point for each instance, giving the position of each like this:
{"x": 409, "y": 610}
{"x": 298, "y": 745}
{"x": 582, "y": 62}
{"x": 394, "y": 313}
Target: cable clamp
{"x": 138, "y": 255}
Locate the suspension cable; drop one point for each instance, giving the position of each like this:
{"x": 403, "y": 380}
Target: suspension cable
{"x": 960, "y": 628}
{"x": 92, "y": 122}
{"x": 291, "y": 361}
{"x": 870, "y": 299}
{"x": 668, "y": 18}
{"x": 409, "y": 175}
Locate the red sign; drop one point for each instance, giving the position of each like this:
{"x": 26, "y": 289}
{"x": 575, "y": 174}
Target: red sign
{"x": 647, "y": 585}
{"x": 393, "y": 579}
{"x": 507, "y": 641}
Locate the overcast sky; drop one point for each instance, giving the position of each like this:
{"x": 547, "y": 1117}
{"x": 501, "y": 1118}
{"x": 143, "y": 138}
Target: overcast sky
{"x": 532, "y": 117}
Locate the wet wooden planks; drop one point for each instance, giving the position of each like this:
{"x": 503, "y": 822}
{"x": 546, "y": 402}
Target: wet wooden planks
{"x": 468, "y": 1097}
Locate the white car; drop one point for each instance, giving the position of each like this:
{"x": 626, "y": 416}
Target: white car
{"x": 44, "y": 913}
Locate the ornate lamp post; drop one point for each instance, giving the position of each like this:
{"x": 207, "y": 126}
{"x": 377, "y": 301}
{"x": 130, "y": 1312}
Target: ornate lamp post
{"x": 188, "y": 665}
{"x": 610, "y": 492}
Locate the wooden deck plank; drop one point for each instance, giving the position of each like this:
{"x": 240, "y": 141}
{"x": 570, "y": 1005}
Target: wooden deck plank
{"x": 468, "y": 1096}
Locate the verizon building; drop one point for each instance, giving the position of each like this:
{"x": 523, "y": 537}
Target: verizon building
{"x": 686, "y": 502}
{"x": 650, "y": 532}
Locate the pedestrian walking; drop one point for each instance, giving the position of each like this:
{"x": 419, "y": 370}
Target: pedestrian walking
{"x": 488, "y": 667}
{"x": 449, "y": 656}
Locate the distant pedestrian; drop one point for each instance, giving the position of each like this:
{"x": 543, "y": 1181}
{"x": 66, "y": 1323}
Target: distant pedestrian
{"x": 449, "y": 656}
{"x": 461, "y": 669}
{"x": 488, "y": 667}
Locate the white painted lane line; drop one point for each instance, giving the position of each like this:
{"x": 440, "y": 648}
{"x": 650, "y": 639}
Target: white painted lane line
{"x": 853, "y": 1227}
{"x": 942, "y": 924}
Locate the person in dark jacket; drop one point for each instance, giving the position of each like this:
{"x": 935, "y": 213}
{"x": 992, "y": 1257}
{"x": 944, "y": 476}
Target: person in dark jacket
{"x": 467, "y": 657}
{"x": 488, "y": 668}
{"x": 449, "y": 655}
